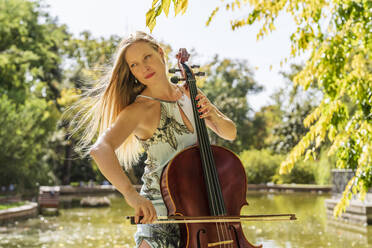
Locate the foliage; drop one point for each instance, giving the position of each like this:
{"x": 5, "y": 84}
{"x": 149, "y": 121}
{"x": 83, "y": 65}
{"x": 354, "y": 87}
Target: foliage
{"x": 302, "y": 173}
{"x": 164, "y": 5}
{"x": 41, "y": 61}
{"x": 323, "y": 166}
{"x": 24, "y": 137}
{"x": 260, "y": 165}
{"x": 227, "y": 85}
{"x": 89, "y": 57}
{"x": 263, "y": 124}
{"x": 30, "y": 68}
{"x": 295, "y": 105}
{"x": 311, "y": 171}
{"x": 336, "y": 35}
{"x": 291, "y": 130}
{"x": 30, "y": 49}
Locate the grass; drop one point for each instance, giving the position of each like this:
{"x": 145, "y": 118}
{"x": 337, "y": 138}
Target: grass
{"x": 298, "y": 185}
{"x": 4, "y": 206}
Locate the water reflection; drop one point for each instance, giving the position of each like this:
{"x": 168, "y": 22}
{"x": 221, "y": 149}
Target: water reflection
{"x": 312, "y": 229}
{"x": 106, "y": 227}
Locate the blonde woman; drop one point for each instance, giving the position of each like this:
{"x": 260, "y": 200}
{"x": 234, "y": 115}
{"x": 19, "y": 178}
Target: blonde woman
{"x": 138, "y": 106}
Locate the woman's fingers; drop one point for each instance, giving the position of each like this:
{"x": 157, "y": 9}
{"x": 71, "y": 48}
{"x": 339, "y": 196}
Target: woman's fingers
{"x": 142, "y": 208}
{"x": 149, "y": 213}
{"x": 205, "y": 113}
{"x": 137, "y": 215}
{"x": 204, "y": 106}
{"x": 202, "y": 101}
{"x": 146, "y": 215}
{"x": 199, "y": 97}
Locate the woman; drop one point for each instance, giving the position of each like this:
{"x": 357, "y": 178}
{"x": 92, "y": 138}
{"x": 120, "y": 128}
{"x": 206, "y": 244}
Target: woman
{"x": 138, "y": 106}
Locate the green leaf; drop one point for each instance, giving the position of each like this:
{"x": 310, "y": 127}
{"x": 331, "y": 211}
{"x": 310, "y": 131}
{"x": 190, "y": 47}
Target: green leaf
{"x": 184, "y": 6}
{"x": 154, "y": 2}
{"x": 214, "y": 12}
{"x": 166, "y": 4}
{"x": 150, "y": 16}
{"x": 177, "y": 6}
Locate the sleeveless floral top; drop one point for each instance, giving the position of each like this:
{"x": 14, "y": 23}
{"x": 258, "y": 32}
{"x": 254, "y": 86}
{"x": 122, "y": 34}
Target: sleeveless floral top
{"x": 170, "y": 137}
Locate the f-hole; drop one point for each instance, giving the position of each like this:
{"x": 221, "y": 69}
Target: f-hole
{"x": 198, "y": 235}
{"x": 231, "y": 227}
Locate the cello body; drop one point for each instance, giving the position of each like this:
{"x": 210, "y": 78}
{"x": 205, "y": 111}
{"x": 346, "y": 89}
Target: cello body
{"x": 184, "y": 193}
{"x": 205, "y": 181}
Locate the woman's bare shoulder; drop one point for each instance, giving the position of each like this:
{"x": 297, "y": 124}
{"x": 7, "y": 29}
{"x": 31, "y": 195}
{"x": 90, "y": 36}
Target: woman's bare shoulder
{"x": 138, "y": 108}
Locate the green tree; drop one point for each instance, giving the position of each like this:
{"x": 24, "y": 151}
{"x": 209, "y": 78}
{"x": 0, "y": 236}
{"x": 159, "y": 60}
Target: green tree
{"x": 24, "y": 135}
{"x": 30, "y": 48}
{"x": 337, "y": 36}
{"x": 291, "y": 130}
{"x": 88, "y": 58}
{"x": 227, "y": 85}
{"x": 39, "y": 59}
{"x": 295, "y": 105}
{"x": 260, "y": 165}
{"x": 30, "y": 58}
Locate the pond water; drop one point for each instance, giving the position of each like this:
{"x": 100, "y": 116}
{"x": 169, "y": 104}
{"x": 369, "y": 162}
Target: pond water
{"x": 106, "y": 227}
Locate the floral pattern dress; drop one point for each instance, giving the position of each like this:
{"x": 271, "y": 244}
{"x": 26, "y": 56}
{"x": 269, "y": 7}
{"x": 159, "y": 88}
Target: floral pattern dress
{"x": 170, "y": 137}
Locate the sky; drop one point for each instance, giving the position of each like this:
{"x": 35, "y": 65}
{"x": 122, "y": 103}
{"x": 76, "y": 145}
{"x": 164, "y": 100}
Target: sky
{"x": 121, "y": 17}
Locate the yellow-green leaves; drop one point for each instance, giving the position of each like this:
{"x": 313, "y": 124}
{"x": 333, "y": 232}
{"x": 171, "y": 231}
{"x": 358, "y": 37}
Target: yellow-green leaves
{"x": 166, "y": 4}
{"x": 214, "y": 12}
{"x": 151, "y": 15}
{"x": 180, "y": 6}
{"x": 336, "y": 36}
{"x": 158, "y": 6}
{"x": 68, "y": 96}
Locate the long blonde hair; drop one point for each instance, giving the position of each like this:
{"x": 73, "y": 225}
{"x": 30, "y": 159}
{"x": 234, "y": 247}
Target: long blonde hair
{"x": 100, "y": 105}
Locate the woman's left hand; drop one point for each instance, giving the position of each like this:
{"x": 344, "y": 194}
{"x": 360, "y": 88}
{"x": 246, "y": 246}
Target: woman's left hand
{"x": 205, "y": 107}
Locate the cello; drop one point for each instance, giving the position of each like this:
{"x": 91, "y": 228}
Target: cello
{"x": 204, "y": 186}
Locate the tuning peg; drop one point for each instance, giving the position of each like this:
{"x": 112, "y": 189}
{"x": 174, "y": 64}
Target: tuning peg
{"x": 200, "y": 74}
{"x": 195, "y": 66}
{"x": 173, "y": 70}
{"x": 176, "y": 79}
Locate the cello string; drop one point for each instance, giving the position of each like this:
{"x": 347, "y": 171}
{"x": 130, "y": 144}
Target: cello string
{"x": 209, "y": 161}
{"x": 220, "y": 196}
{"x": 221, "y": 209}
{"x": 221, "y": 205}
{"x": 202, "y": 146}
{"x": 208, "y": 158}
{"x": 217, "y": 188}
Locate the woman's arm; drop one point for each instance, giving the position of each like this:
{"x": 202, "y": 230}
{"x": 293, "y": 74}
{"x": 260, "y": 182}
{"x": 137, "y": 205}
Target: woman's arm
{"x": 214, "y": 119}
{"x": 220, "y": 124}
{"x": 108, "y": 163}
{"x": 103, "y": 152}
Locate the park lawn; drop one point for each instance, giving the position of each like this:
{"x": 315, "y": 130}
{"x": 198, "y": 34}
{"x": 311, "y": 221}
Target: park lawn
{"x": 300, "y": 185}
{"x": 4, "y": 206}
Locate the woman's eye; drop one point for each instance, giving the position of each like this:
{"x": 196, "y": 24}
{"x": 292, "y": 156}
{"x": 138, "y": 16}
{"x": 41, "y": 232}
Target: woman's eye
{"x": 132, "y": 65}
{"x": 147, "y": 56}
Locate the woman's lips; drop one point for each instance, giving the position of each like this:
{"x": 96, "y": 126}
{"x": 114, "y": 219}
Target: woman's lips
{"x": 150, "y": 75}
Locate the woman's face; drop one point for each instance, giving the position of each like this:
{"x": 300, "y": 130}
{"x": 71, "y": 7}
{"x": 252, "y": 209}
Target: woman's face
{"x": 145, "y": 63}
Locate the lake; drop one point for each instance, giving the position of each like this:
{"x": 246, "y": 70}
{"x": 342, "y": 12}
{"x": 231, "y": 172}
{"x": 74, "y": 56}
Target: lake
{"x": 107, "y": 227}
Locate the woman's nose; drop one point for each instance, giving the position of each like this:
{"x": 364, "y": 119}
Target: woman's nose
{"x": 146, "y": 68}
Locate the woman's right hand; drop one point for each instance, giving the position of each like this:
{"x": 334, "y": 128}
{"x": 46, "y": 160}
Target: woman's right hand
{"x": 142, "y": 207}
